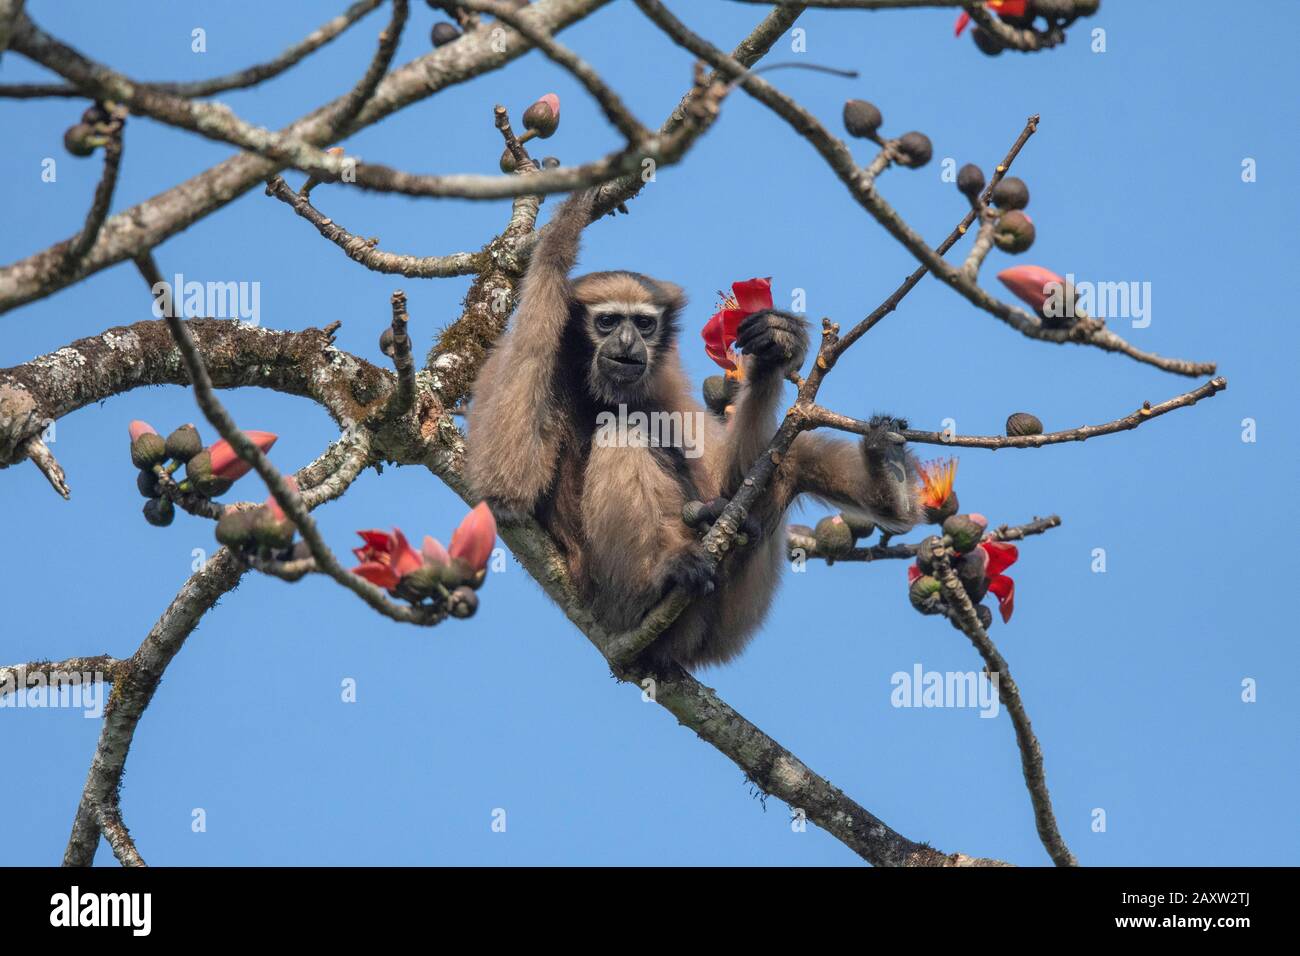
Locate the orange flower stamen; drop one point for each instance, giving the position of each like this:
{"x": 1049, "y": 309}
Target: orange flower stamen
{"x": 937, "y": 479}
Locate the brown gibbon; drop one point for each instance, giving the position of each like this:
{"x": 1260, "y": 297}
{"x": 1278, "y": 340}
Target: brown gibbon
{"x": 580, "y": 351}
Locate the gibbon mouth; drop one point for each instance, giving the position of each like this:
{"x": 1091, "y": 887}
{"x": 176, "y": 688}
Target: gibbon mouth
{"x": 624, "y": 365}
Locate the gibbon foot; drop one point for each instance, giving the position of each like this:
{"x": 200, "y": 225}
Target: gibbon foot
{"x": 506, "y": 513}
{"x": 701, "y": 515}
{"x": 775, "y": 340}
{"x": 886, "y": 431}
{"x": 693, "y": 572}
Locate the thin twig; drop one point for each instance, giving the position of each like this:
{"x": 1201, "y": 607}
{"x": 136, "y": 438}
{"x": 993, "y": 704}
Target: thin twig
{"x": 806, "y": 545}
{"x": 239, "y": 80}
{"x": 967, "y": 621}
{"x": 365, "y": 251}
{"x": 99, "y": 206}
{"x": 404, "y": 398}
{"x": 41, "y": 456}
{"x": 615, "y": 110}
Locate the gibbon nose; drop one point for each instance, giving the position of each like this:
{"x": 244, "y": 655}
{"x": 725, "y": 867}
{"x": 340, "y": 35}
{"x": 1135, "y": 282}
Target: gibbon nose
{"x": 627, "y": 339}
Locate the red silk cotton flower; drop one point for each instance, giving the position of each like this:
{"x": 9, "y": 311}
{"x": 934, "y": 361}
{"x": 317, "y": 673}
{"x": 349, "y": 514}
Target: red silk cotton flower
{"x": 1009, "y": 8}
{"x": 385, "y": 558}
{"x": 1001, "y": 556}
{"x": 747, "y": 297}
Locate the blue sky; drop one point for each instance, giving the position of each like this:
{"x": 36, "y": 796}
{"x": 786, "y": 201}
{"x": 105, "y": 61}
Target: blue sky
{"x": 1133, "y": 677}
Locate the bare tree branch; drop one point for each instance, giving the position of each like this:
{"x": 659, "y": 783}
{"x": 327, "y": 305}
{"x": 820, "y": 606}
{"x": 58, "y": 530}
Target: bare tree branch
{"x": 242, "y": 79}
{"x": 365, "y": 252}
{"x": 144, "y": 226}
{"x": 1031, "y": 754}
{"x": 822, "y": 417}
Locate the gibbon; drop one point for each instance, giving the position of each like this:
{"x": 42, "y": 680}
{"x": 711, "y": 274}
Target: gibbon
{"x": 577, "y": 348}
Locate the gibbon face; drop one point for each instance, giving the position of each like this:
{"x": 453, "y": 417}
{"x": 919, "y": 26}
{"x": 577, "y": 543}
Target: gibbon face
{"x": 628, "y": 319}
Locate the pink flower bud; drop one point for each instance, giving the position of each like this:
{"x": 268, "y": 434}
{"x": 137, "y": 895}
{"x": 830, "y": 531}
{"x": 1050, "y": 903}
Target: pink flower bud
{"x": 138, "y": 428}
{"x": 1033, "y": 284}
{"x": 434, "y": 553}
{"x": 473, "y": 540}
{"x": 274, "y": 506}
{"x": 226, "y": 464}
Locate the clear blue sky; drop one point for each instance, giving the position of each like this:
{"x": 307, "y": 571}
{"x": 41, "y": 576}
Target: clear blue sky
{"x": 1132, "y": 677}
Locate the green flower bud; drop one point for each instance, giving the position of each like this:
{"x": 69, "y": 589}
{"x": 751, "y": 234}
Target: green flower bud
{"x": 1023, "y": 423}
{"x": 184, "y": 443}
{"x": 916, "y": 149}
{"x": 924, "y": 594}
{"x": 543, "y": 117}
{"x": 199, "y": 466}
{"x": 147, "y": 482}
{"x": 270, "y": 531}
{"x": 212, "y": 487}
{"x": 443, "y": 33}
{"x": 862, "y": 119}
{"x": 944, "y": 511}
{"x": 95, "y": 115}
{"x": 235, "y": 527}
{"x": 964, "y": 532}
{"x": 988, "y": 44}
{"x": 1011, "y": 193}
{"x": 970, "y": 570}
{"x": 859, "y": 525}
{"x": 970, "y": 180}
{"x": 80, "y": 140}
{"x": 462, "y": 603}
{"x": 1014, "y": 232}
{"x": 148, "y": 450}
{"x": 159, "y": 512}
{"x": 834, "y": 539}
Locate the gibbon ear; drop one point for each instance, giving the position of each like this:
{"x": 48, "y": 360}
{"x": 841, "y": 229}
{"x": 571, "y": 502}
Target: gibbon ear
{"x": 673, "y": 299}
{"x": 671, "y": 295}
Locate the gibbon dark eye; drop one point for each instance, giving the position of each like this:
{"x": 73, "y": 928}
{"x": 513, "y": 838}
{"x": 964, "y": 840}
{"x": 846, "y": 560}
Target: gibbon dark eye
{"x": 606, "y": 322}
{"x": 645, "y": 323}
